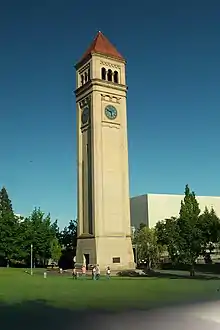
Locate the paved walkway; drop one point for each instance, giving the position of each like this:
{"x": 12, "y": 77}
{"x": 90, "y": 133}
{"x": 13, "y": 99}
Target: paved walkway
{"x": 186, "y": 273}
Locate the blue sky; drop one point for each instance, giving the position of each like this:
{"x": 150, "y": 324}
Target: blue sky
{"x": 173, "y": 73}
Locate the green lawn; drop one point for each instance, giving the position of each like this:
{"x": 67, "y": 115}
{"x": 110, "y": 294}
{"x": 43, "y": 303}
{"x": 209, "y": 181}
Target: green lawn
{"x": 17, "y": 287}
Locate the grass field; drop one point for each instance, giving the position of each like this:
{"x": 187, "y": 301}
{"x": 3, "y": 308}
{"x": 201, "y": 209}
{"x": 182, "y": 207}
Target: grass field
{"x": 119, "y": 293}
{"x": 59, "y": 302}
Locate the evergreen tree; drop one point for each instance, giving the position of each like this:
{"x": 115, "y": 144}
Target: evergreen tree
{"x": 8, "y": 228}
{"x": 190, "y": 234}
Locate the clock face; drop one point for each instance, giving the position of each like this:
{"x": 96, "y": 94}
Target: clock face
{"x": 111, "y": 112}
{"x": 85, "y": 115}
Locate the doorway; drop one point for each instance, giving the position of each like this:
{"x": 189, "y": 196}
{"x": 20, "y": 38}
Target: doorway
{"x": 86, "y": 255}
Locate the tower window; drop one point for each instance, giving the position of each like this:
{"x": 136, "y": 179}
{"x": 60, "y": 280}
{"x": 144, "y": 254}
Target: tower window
{"x": 89, "y": 74}
{"x": 115, "y": 75}
{"x": 109, "y": 75}
{"x": 103, "y": 71}
{"x": 86, "y": 77}
{"x": 82, "y": 79}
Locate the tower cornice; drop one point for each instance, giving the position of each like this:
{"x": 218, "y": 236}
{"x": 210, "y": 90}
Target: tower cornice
{"x": 101, "y": 83}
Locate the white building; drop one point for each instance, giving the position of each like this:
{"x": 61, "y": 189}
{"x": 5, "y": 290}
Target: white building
{"x": 151, "y": 208}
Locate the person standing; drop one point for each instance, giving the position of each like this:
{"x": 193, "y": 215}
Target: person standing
{"x": 94, "y": 273}
{"x": 74, "y": 273}
{"x": 108, "y": 272}
{"x": 83, "y": 271}
{"x": 97, "y": 272}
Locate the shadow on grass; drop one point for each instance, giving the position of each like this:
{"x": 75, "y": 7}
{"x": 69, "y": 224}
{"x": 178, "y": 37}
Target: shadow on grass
{"x": 169, "y": 275}
{"x": 39, "y": 315}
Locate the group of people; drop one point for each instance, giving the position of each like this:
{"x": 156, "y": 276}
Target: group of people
{"x": 95, "y": 272}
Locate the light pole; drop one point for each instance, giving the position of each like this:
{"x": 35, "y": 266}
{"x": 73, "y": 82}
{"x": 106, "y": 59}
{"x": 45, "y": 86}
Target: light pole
{"x": 31, "y": 259}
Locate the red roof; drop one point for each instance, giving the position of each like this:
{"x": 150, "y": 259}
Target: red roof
{"x": 103, "y": 46}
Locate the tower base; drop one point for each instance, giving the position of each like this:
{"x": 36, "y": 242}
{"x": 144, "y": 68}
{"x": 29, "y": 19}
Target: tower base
{"x": 114, "y": 251}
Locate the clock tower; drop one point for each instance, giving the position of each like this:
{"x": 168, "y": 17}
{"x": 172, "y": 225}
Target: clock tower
{"x": 104, "y": 229}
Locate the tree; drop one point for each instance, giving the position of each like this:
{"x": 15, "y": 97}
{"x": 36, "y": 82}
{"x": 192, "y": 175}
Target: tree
{"x": 16, "y": 236}
{"x": 41, "y": 234}
{"x": 8, "y": 228}
{"x": 147, "y": 247}
{"x": 209, "y": 224}
{"x": 23, "y": 248}
{"x": 68, "y": 243}
{"x": 188, "y": 236}
{"x": 190, "y": 240}
{"x": 69, "y": 235}
{"x": 167, "y": 233}
{"x": 56, "y": 250}
{"x": 55, "y": 228}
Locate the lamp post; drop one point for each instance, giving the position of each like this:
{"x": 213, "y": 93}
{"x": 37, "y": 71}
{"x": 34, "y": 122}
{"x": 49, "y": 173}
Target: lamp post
{"x": 31, "y": 259}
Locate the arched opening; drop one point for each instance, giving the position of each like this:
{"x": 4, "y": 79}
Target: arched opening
{"x": 109, "y": 75}
{"x": 103, "y": 74}
{"x": 115, "y": 77}
{"x": 86, "y": 77}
